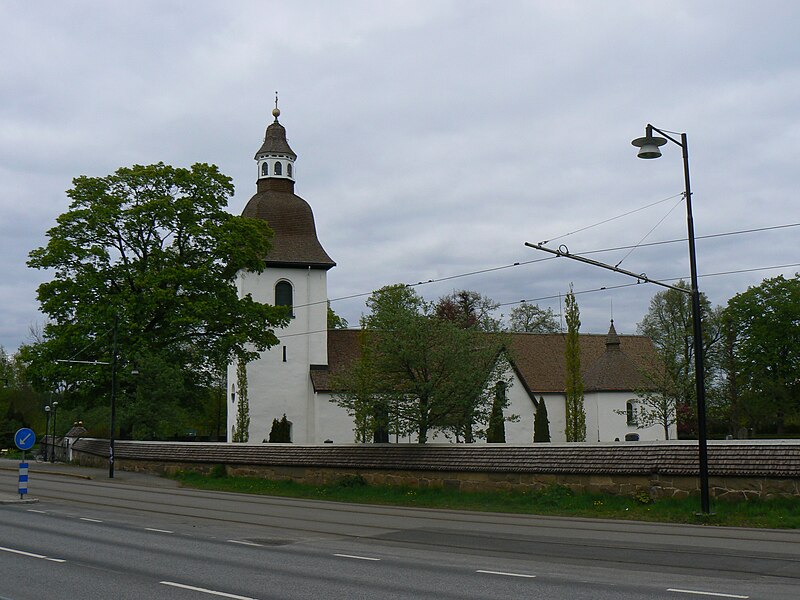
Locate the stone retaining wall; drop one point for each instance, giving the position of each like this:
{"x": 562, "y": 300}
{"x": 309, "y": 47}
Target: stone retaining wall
{"x": 738, "y": 470}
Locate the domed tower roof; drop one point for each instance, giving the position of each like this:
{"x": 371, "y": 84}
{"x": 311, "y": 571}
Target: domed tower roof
{"x": 275, "y": 139}
{"x": 295, "y": 243}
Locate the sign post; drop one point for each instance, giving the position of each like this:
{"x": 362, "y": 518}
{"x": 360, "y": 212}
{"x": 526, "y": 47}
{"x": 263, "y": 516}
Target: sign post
{"x": 24, "y": 439}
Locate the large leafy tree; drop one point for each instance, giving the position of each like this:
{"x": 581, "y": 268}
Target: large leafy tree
{"x": 668, "y": 323}
{"x": 763, "y": 349}
{"x": 575, "y": 413}
{"x": 420, "y": 372}
{"x": 530, "y": 318}
{"x": 151, "y": 253}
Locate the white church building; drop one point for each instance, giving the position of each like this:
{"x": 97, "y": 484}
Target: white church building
{"x": 292, "y": 378}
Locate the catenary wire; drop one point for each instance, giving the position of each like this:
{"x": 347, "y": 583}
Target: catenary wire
{"x": 603, "y": 288}
{"x": 538, "y": 260}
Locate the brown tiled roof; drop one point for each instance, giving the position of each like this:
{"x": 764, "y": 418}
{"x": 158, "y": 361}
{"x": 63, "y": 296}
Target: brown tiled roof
{"x": 538, "y": 359}
{"x": 676, "y": 458}
{"x": 295, "y": 242}
{"x": 614, "y": 370}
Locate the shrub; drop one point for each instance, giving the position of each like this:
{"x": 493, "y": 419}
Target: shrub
{"x": 351, "y": 481}
{"x": 218, "y": 472}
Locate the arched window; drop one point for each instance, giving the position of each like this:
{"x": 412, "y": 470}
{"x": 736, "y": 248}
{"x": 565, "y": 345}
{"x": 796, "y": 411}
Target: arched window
{"x": 630, "y": 411}
{"x": 288, "y": 169}
{"x": 264, "y": 169}
{"x": 278, "y": 169}
{"x": 283, "y": 294}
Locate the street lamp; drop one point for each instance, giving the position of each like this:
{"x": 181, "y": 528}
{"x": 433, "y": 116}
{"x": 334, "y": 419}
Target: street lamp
{"x": 649, "y": 147}
{"x": 46, "y": 429}
{"x": 53, "y": 450}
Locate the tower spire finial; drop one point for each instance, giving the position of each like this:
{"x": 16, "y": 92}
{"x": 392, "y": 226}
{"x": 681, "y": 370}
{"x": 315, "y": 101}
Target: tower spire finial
{"x": 276, "y": 111}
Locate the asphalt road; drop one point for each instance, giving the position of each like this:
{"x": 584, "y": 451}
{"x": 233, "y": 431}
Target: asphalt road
{"x": 139, "y": 536}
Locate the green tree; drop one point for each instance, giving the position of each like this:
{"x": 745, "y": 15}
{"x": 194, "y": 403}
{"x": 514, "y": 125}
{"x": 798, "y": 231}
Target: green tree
{"x": 668, "y": 323}
{"x": 20, "y": 405}
{"x": 152, "y": 247}
{"x": 652, "y": 408}
{"x": 496, "y": 432}
{"x": 575, "y": 413}
{"x": 429, "y": 372}
{"x": 334, "y": 320}
{"x": 764, "y": 328}
{"x": 281, "y": 431}
{"x": 357, "y": 390}
{"x": 541, "y": 424}
{"x": 530, "y": 318}
{"x": 241, "y": 427}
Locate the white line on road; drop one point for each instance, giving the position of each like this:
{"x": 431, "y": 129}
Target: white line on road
{"x": 205, "y": 591}
{"x": 157, "y": 530}
{"x": 717, "y": 594}
{"x": 41, "y": 512}
{"x": 506, "y": 574}
{"x": 243, "y": 543}
{"x": 356, "y": 557}
{"x": 31, "y": 554}
{"x": 90, "y": 520}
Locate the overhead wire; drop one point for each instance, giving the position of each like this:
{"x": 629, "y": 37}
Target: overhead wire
{"x": 603, "y": 222}
{"x": 538, "y": 260}
{"x": 603, "y": 288}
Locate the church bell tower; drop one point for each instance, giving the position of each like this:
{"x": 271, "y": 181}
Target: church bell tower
{"x": 278, "y": 382}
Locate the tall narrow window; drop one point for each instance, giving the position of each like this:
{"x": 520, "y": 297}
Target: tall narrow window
{"x": 264, "y": 169}
{"x": 278, "y": 168}
{"x": 283, "y": 294}
{"x": 288, "y": 169}
{"x": 630, "y": 410}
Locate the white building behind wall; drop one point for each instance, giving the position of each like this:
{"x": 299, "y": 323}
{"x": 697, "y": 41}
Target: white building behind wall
{"x": 293, "y": 378}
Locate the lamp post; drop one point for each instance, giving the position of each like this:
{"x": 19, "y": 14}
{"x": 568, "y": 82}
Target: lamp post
{"x": 53, "y": 450}
{"x": 46, "y": 429}
{"x": 649, "y": 147}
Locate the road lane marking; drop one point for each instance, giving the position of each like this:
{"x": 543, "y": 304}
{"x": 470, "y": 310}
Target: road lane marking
{"x": 90, "y": 520}
{"x": 157, "y": 530}
{"x": 717, "y": 594}
{"x": 41, "y": 512}
{"x": 206, "y": 591}
{"x": 31, "y": 554}
{"x": 243, "y": 543}
{"x": 506, "y": 574}
{"x": 356, "y": 557}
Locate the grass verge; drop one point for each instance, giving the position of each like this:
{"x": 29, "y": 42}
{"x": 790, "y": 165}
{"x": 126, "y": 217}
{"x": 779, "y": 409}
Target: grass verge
{"x": 555, "y": 500}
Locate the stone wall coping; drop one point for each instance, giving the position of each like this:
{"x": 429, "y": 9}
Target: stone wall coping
{"x": 736, "y": 458}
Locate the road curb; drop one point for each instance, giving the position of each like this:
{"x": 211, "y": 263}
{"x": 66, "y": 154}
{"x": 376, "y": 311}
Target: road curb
{"x": 31, "y": 469}
{"x": 18, "y": 501}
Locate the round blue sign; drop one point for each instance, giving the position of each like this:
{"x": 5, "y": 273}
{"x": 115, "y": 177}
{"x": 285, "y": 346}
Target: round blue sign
{"x": 24, "y": 438}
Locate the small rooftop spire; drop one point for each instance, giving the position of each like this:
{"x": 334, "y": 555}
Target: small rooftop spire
{"x": 612, "y": 339}
{"x": 276, "y": 112}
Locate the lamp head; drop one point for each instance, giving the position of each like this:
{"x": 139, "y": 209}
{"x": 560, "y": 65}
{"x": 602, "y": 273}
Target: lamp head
{"x": 649, "y": 146}
{"x": 47, "y": 409}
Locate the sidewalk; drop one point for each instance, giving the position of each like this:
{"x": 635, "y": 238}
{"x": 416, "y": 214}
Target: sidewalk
{"x": 9, "y": 465}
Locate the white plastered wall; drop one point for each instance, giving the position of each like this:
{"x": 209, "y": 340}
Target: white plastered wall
{"x": 278, "y": 380}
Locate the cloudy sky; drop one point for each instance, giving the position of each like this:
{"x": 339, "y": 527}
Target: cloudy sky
{"x": 434, "y": 138}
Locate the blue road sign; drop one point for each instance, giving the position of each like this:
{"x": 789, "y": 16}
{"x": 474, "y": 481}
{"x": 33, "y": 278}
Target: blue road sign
{"x": 24, "y": 438}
